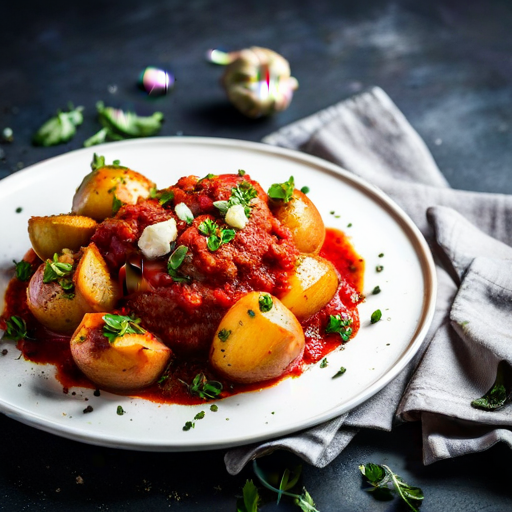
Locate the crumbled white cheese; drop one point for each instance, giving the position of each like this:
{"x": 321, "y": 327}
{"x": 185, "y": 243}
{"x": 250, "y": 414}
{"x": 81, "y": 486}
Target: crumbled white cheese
{"x": 156, "y": 239}
{"x": 235, "y": 216}
{"x": 183, "y": 212}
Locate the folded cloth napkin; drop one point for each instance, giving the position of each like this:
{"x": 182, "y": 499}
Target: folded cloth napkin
{"x": 471, "y": 331}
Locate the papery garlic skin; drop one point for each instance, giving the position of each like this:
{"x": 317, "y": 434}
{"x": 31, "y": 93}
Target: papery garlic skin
{"x": 258, "y": 82}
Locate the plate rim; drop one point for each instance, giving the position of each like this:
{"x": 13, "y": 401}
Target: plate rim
{"x": 414, "y": 235}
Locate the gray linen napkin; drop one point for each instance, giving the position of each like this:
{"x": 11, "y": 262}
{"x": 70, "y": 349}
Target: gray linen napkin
{"x": 471, "y": 331}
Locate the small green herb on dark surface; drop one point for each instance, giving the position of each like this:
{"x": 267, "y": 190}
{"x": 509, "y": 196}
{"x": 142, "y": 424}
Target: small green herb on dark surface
{"x": 119, "y": 325}
{"x": 500, "y": 392}
{"x": 376, "y": 316}
{"x": 59, "y": 129}
{"x": 16, "y": 328}
{"x": 282, "y": 191}
{"x": 384, "y": 483}
{"x": 23, "y": 270}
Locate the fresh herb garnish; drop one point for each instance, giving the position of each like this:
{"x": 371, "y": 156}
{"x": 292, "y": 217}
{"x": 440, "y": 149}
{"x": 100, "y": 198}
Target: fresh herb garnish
{"x": 16, "y": 328}
{"x": 241, "y": 172}
{"x": 379, "y": 268}
{"x": 339, "y": 373}
{"x": 119, "y": 325}
{"x": 204, "y": 388}
{"x": 119, "y": 125}
{"x": 223, "y": 334}
{"x": 324, "y": 363}
{"x": 376, "y": 290}
{"x": 289, "y": 480}
{"x": 55, "y": 270}
{"x": 60, "y": 128}
{"x": 165, "y": 197}
{"x": 384, "y": 482}
{"x": 116, "y": 204}
{"x": 214, "y": 407}
{"x": 381, "y": 255}
{"x": 199, "y": 415}
{"x": 174, "y": 262}
{"x": 250, "y": 498}
{"x": 266, "y": 303}
{"x": 188, "y": 425}
{"x": 23, "y": 270}
{"x": 305, "y": 190}
{"x": 282, "y": 191}
{"x": 498, "y": 395}
{"x": 98, "y": 162}
{"x": 216, "y": 236}
{"x": 376, "y": 316}
{"x": 120, "y": 410}
{"x": 340, "y": 325}
{"x": 242, "y": 194}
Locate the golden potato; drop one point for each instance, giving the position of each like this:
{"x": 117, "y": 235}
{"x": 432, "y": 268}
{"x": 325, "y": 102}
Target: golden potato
{"x": 54, "y": 307}
{"x": 50, "y": 235}
{"x": 313, "y": 285}
{"x": 252, "y": 345}
{"x": 302, "y": 218}
{"x": 95, "y": 288}
{"x": 95, "y": 196}
{"x": 129, "y": 363}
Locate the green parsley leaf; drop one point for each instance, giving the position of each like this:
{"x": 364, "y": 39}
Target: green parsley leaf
{"x": 16, "y": 328}
{"x": 204, "y": 388}
{"x": 60, "y": 128}
{"x": 305, "y": 190}
{"x": 250, "y": 499}
{"x": 97, "y": 162}
{"x": 265, "y": 302}
{"x": 384, "y": 482}
{"x": 117, "y": 326}
{"x": 200, "y": 415}
{"x": 165, "y": 197}
{"x": 188, "y": 425}
{"x": 241, "y": 172}
{"x": 214, "y": 407}
{"x": 282, "y": 191}
{"x": 226, "y": 235}
{"x": 324, "y": 363}
{"x": 242, "y": 194}
{"x": 177, "y": 257}
{"x": 120, "y": 410}
{"x": 120, "y": 125}
{"x": 339, "y": 373}
{"x": 500, "y": 392}
{"x": 223, "y": 334}
{"x": 209, "y": 176}
{"x": 208, "y": 227}
{"x": 23, "y": 270}
{"x": 222, "y": 206}
{"x": 54, "y": 270}
{"x": 116, "y": 204}
{"x": 376, "y": 290}
{"x": 340, "y": 325}
{"x": 381, "y": 255}
{"x": 376, "y": 316}
{"x": 213, "y": 243}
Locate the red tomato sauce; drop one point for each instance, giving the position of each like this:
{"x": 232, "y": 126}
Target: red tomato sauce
{"x": 259, "y": 258}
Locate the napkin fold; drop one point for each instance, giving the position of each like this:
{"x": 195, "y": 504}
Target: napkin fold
{"x": 470, "y": 236}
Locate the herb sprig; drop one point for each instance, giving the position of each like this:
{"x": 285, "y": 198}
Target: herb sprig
{"x": 16, "y": 329}
{"x": 174, "y": 263}
{"x": 204, "y": 388}
{"x": 23, "y": 270}
{"x": 58, "y": 271}
{"x": 242, "y": 194}
{"x": 117, "y": 326}
{"x": 282, "y": 191}
{"x": 384, "y": 482}
{"x": 216, "y": 236}
{"x": 340, "y": 325}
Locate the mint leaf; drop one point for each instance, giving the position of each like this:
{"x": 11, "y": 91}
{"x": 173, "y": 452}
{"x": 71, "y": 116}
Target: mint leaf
{"x": 59, "y": 129}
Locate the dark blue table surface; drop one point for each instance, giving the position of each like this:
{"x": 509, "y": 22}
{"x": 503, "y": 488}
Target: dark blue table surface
{"x": 446, "y": 64}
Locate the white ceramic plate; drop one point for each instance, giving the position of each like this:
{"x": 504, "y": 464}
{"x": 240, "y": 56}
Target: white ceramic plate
{"x": 30, "y": 393}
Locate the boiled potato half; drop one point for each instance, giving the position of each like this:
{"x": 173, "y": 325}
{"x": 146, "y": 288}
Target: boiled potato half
{"x": 50, "y": 235}
{"x": 302, "y": 218}
{"x": 252, "y": 345}
{"x": 95, "y": 288}
{"x": 313, "y": 285}
{"x": 53, "y": 307}
{"x": 129, "y": 363}
{"x": 95, "y": 196}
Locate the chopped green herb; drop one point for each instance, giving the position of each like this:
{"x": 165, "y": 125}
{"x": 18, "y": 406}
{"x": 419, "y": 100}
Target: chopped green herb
{"x": 23, "y": 270}
{"x": 209, "y": 228}
{"x": 226, "y": 235}
{"x": 282, "y": 191}
{"x": 266, "y": 303}
{"x": 199, "y": 415}
{"x": 19, "y": 209}
{"x": 98, "y": 162}
{"x": 498, "y": 395}
{"x": 188, "y": 425}
{"x": 117, "y": 326}
{"x": 243, "y": 194}
{"x": 381, "y": 255}
{"x": 120, "y": 410}
{"x": 165, "y": 197}
{"x": 339, "y": 373}
{"x": 214, "y": 407}
{"x": 16, "y": 328}
{"x": 376, "y": 290}
{"x": 241, "y": 172}
{"x": 209, "y": 176}
{"x": 55, "y": 270}
{"x": 324, "y": 363}
{"x": 223, "y": 334}
{"x": 163, "y": 378}
{"x": 332, "y": 212}
{"x": 340, "y": 325}
{"x": 60, "y": 128}
{"x": 119, "y": 125}
{"x": 349, "y": 225}
{"x": 204, "y": 388}
{"x": 379, "y": 268}
{"x": 305, "y": 190}
{"x": 376, "y": 316}
{"x": 384, "y": 482}
{"x": 251, "y": 313}
{"x": 116, "y": 204}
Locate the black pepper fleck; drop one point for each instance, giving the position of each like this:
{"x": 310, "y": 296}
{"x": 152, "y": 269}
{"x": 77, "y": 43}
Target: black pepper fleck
{"x": 88, "y": 409}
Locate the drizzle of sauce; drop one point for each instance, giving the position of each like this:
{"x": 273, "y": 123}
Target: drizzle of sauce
{"x": 46, "y": 347}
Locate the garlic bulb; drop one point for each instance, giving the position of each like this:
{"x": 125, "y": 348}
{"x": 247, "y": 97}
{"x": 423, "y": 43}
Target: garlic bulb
{"x": 258, "y": 82}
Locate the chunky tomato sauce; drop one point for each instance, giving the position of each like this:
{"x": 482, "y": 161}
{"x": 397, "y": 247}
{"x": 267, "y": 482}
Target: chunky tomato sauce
{"x": 185, "y": 315}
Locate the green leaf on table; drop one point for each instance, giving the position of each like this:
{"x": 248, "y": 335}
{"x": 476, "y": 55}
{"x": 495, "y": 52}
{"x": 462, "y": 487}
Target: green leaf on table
{"x": 250, "y": 499}
{"x": 59, "y": 129}
{"x": 500, "y": 392}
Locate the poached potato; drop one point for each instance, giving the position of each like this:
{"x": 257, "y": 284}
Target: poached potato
{"x": 95, "y": 197}
{"x": 254, "y": 344}
{"x": 302, "y": 218}
{"x": 50, "y": 235}
{"x": 313, "y": 285}
{"x": 129, "y": 363}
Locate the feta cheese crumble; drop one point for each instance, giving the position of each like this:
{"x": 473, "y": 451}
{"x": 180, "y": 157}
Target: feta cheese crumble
{"x": 156, "y": 239}
{"x": 235, "y": 217}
